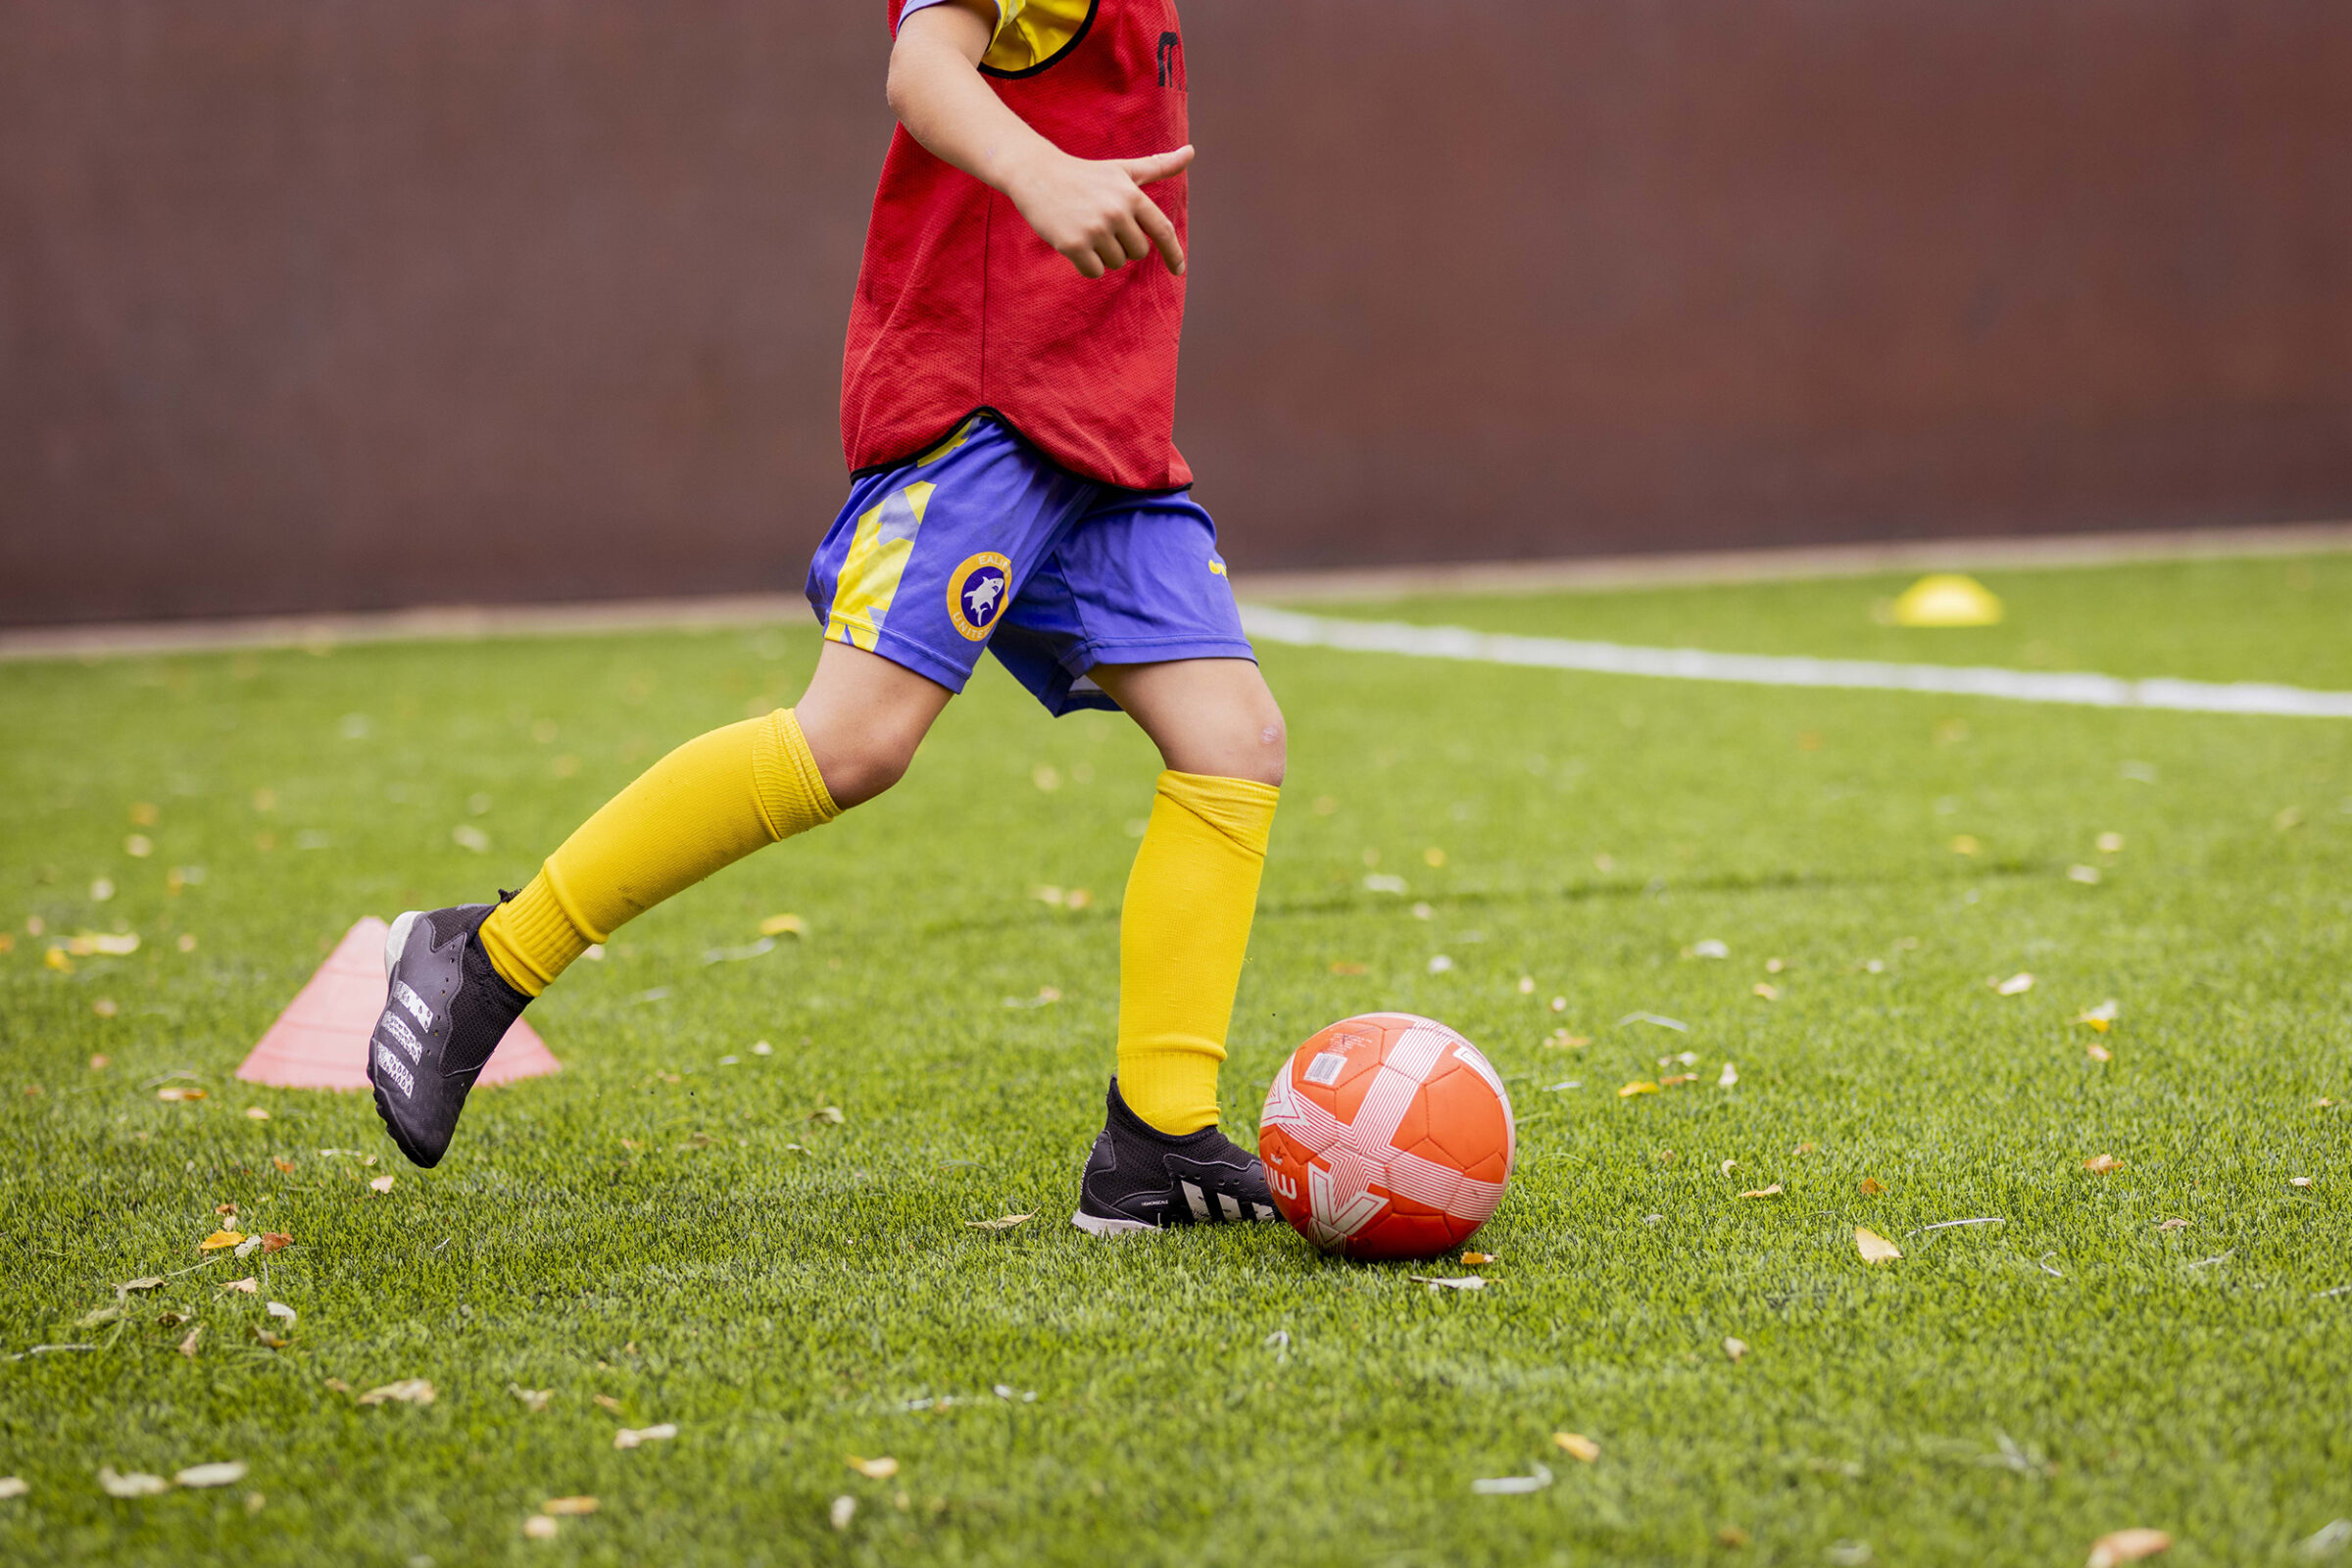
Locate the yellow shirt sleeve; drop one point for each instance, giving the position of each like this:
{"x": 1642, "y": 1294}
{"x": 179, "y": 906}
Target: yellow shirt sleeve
{"x": 1032, "y": 32}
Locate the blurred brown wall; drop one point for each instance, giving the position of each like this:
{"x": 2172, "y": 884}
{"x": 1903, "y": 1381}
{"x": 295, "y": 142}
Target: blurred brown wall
{"x": 311, "y": 303}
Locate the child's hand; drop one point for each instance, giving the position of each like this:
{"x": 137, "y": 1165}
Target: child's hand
{"x": 1096, "y": 213}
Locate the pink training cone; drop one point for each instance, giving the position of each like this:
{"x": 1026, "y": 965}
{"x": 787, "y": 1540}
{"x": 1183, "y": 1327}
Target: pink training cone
{"x": 321, "y": 1040}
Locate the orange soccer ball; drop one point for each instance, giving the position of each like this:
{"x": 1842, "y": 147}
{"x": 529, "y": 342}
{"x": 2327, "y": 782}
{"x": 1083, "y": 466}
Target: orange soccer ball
{"x": 1387, "y": 1136}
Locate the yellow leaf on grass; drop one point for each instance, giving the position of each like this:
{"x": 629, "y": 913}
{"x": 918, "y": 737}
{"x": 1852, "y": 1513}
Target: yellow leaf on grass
{"x": 539, "y": 1527}
{"x": 778, "y": 925}
{"x": 2101, "y": 1164}
{"x": 1769, "y": 992}
{"x": 1637, "y": 1087}
{"x": 284, "y": 1164}
{"x": 218, "y": 1240}
{"x": 249, "y": 1285}
{"x": 407, "y": 1391}
{"x": 173, "y": 1092}
{"x": 2127, "y": 1545}
{"x": 1577, "y": 1446}
{"x": 1873, "y": 1247}
{"x": 1343, "y": 966}
{"x": 568, "y": 1505}
{"x": 2100, "y": 1017}
{"x": 1478, "y": 1259}
{"x": 1774, "y": 1191}
{"x": 1872, "y": 1187}
{"x": 626, "y": 1439}
{"x": 381, "y": 1184}
{"x": 881, "y": 1469}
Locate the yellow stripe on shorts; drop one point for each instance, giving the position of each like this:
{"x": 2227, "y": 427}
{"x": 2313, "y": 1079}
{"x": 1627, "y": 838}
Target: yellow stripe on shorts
{"x": 877, "y": 560}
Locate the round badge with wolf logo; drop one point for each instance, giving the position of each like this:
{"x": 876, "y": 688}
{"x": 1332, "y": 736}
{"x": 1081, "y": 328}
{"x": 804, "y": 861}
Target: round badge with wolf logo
{"x": 976, "y": 593}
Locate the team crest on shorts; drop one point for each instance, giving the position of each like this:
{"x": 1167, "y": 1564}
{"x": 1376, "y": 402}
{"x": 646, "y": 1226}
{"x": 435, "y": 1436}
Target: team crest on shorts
{"x": 976, "y": 593}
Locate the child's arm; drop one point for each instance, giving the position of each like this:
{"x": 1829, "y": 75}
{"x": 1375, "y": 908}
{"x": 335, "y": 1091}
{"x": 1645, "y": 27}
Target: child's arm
{"x": 1094, "y": 212}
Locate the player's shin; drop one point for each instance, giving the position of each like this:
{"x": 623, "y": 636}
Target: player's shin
{"x": 1183, "y": 931}
{"x": 707, "y": 805}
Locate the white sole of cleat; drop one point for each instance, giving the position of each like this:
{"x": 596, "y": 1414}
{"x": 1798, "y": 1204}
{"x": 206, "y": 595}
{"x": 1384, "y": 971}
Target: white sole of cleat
{"x": 396, "y": 940}
{"x": 1094, "y": 1226}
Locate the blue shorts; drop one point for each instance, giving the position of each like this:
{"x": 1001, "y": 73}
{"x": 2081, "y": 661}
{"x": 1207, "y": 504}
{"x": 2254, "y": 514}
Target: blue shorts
{"x": 984, "y": 542}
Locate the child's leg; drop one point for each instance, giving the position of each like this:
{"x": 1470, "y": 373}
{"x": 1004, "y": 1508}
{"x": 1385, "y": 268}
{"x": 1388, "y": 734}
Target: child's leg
{"x": 1185, "y": 924}
{"x": 714, "y": 800}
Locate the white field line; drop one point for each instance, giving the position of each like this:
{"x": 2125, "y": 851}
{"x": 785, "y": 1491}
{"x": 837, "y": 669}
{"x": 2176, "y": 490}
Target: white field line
{"x": 1299, "y": 629}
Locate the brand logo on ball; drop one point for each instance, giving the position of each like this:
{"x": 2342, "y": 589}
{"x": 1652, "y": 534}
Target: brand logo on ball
{"x": 976, "y": 593}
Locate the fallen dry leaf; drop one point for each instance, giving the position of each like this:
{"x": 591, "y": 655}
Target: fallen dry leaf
{"x": 1343, "y": 967}
{"x": 828, "y": 1113}
{"x": 13, "y": 1487}
{"x": 281, "y": 1310}
{"x": 1637, "y": 1087}
{"x": 2172, "y": 1225}
{"x": 626, "y": 1438}
{"x": 1729, "y": 1167}
{"x": 99, "y": 1315}
{"x": 282, "y": 1165}
{"x": 1965, "y": 844}
{"x": 881, "y": 1469}
{"x": 1806, "y": 1149}
{"x": 172, "y": 1091}
{"x": 2100, "y": 1017}
{"x": 1677, "y": 1080}
{"x": 382, "y": 1184}
{"x": 337, "y": 1385}
{"x": 1734, "y": 1349}
{"x": 1872, "y": 1187}
{"x": 249, "y": 1285}
{"x": 1467, "y": 1282}
{"x": 145, "y": 1281}
{"x": 1479, "y": 1259}
{"x": 539, "y": 1527}
{"x": 1728, "y": 1077}
{"x": 1513, "y": 1485}
{"x": 2101, "y": 1164}
{"x": 249, "y": 1246}
{"x": 187, "y": 1347}
{"x": 556, "y": 1506}
{"x": 1732, "y": 1535}
{"x": 226, "y": 1474}
{"x": 783, "y": 925}
{"x": 604, "y": 1401}
{"x": 1766, "y": 990}
{"x": 1873, "y": 1247}
{"x": 2298, "y": 1181}
{"x": 134, "y": 1485}
{"x": 2015, "y": 986}
{"x": 533, "y": 1398}
{"x": 407, "y": 1391}
{"x": 1004, "y": 1222}
{"x": 276, "y": 1242}
{"x": 843, "y": 1509}
{"x": 1577, "y": 1446}
{"x": 2127, "y": 1545}
{"x": 1774, "y": 1191}
{"x": 2097, "y": 1053}
{"x": 1562, "y": 1040}
{"x": 256, "y": 1113}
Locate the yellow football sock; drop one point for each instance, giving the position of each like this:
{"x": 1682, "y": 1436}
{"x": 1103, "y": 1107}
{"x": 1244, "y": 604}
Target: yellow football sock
{"x": 709, "y": 804}
{"x": 1182, "y": 930}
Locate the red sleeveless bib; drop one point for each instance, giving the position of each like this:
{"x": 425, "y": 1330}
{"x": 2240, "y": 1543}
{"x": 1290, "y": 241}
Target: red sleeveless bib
{"x": 960, "y": 306}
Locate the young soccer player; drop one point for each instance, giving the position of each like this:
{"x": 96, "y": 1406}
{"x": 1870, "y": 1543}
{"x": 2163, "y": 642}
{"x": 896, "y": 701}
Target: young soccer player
{"x": 1007, "y": 408}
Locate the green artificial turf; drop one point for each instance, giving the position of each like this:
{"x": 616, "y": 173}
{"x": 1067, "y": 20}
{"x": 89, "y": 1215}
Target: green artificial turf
{"x": 671, "y": 1232}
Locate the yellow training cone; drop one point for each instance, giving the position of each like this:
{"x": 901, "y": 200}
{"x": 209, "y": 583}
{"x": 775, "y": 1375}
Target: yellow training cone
{"x": 1948, "y": 599}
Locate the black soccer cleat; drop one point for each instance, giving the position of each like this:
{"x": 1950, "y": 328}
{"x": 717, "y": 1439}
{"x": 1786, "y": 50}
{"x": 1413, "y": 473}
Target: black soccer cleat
{"x": 445, "y": 1011}
{"x": 1139, "y": 1178}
